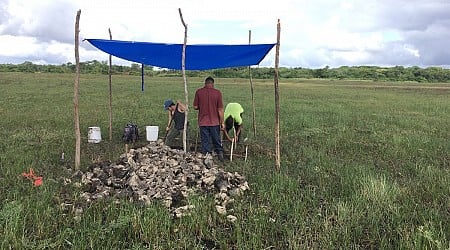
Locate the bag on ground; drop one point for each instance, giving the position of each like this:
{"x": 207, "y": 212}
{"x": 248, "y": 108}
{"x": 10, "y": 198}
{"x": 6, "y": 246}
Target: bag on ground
{"x": 130, "y": 133}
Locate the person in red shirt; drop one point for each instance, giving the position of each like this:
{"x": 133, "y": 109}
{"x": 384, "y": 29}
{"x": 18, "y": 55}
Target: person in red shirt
{"x": 208, "y": 102}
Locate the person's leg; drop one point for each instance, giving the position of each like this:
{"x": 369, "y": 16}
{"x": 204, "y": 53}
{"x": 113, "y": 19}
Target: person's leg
{"x": 204, "y": 139}
{"x": 228, "y": 125}
{"x": 215, "y": 135}
{"x": 237, "y": 127}
{"x": 171, "y": 135}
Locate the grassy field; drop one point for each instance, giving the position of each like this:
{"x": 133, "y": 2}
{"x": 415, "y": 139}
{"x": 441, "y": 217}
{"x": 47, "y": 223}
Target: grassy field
{"x": 364, "y": 165}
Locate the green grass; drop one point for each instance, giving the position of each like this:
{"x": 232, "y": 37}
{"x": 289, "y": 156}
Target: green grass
{"x": 363, "y": 165}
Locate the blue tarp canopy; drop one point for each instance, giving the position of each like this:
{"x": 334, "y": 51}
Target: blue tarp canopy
{"x": 198, "y": 57}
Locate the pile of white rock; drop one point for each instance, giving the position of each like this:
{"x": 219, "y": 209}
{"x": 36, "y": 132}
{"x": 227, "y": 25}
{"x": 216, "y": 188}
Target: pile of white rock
{"x": 157, "y": 172}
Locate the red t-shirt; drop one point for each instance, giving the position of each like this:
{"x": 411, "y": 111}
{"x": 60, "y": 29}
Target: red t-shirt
{"x": 208, "y": 100}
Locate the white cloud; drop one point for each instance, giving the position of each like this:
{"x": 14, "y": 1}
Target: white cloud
{"x": 17, "y": 45}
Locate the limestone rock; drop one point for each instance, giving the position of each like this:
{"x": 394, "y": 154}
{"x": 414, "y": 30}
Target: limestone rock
{"x": 157, "y": 172}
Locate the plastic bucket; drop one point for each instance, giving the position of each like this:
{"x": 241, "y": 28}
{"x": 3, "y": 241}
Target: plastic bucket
{"x": 94, "y": 135}
{"x": 152, "y": 133}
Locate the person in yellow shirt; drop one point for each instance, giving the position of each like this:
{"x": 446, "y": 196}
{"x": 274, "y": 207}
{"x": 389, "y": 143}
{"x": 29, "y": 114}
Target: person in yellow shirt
{"x": 233, "y": 118}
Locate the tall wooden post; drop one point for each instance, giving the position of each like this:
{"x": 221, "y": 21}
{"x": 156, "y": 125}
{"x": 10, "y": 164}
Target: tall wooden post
{"x": 183, "y": 70}
{"x": 251, "y": 88}
{"x": 277, "y": 101}
{"x": 110, "y": 90}
{"x": 75, "y": 94}
{"x": 142, "y": 77}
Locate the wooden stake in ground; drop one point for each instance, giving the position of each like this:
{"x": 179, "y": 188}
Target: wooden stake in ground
{"x": 110, "y": 90}
{"x": 233, "y": 142}
{"x": 246, "y": 152}
{"x": 183, "y": 70}
{"x": 142, "y": 77}
{"x": 251, "y": 88}
{"x": 277, "y": 101}
{"x": 231, "y": 149}
{"x": 75, "y": 94}
{"x": 196, "y": 141}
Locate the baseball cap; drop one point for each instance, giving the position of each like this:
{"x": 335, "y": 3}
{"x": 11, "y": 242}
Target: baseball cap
{"x": 168, "y": 103}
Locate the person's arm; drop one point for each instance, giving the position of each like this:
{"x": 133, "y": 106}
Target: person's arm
{"x": 227, "y": 135}
{"x": 238, "y": 132}
{"x": 220, "y": 111}
{"x": 181, "y": 106}
{"x": 195, "y": 104}
{"x": 170, "y": 121}
{"x": 221, "y": 119}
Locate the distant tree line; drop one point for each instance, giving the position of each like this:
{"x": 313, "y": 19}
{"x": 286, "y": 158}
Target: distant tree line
{"x": 397, "y": 73}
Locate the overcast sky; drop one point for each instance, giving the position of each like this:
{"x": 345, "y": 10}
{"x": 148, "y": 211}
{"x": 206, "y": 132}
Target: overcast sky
{"x": 314, "y": 33}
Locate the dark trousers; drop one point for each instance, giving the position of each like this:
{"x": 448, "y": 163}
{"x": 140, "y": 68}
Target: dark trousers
{"x": 173, "y": 134}
{"x": 210, "y": 134}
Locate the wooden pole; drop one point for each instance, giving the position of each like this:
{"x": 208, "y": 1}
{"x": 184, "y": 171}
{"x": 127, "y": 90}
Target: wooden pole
{"x": 183, "y": 70}
{"x": 246, "y": 152}
{"x": 110, "y": 90}
{"x": 75, "y": 94}
{"x": 251, "y": 89}
{"x": 277, "y": 101}
{"x": 142, "y": 77}
{"x": 231, "y": 149}
{"x": 233, "y": 142}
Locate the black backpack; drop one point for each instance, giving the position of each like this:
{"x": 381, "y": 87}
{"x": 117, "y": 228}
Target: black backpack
{"x": 130, "y": 133}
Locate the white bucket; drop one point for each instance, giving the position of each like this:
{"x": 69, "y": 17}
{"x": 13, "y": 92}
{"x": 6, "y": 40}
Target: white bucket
{"x": 94, "y": 135}
{"x": 152, "y": 133}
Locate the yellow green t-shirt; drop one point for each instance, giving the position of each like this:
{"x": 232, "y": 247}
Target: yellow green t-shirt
{"x": 234, "y": 110}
